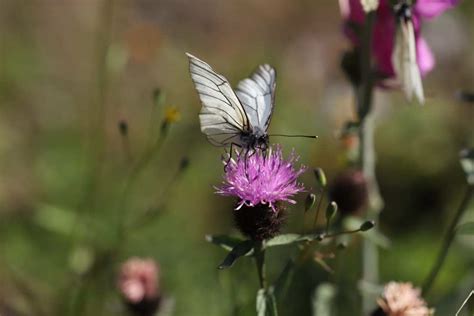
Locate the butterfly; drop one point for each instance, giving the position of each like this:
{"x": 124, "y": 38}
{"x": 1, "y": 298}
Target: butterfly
{"x": 404, "y": 54}
{"x": 239, "y": 117}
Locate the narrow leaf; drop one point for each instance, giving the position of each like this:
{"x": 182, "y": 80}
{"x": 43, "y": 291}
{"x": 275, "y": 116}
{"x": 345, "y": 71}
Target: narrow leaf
{"x": 238, "y": 251}
{"x": 287, "y": 239}
{"x": 224, "y": 241}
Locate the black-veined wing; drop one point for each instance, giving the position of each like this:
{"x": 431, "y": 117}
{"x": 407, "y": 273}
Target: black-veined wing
{"x": 257, "y": 95}
{"x": 222, "y": 116}
{"x": 405, "y": 62}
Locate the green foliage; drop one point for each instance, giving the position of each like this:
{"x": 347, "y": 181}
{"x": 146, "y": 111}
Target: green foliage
{"x": 243, "y": 248}
{"x": 465, "y": 228}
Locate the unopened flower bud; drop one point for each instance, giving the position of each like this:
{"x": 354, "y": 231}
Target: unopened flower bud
{"x": 331, "y": 211}
{"x": 158, "y": 96}
{"x": 367, "y": 226}
{"x": 310, "y": 200}
{"x": 184, "y": 163}
{"x": 349, "y": 191}
{"x": 320, "y": 177}
{"x": 123, "y": 127}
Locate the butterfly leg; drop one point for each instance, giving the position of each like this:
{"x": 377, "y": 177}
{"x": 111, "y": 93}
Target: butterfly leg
{"x": 231, "y": 150}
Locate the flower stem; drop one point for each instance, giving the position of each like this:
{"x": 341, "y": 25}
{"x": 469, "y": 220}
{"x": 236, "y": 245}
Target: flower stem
{"x": 260, "y": 261}
{"x": 448, "y": 239}
{"x": 367, "y": 156}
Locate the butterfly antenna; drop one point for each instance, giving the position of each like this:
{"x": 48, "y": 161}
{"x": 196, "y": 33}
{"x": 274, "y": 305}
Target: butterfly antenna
{"x": 303, "y": 136}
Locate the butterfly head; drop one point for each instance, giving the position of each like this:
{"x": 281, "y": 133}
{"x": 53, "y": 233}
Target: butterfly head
{"x": 403, "y": 11}
{"x": 255, "y": 139}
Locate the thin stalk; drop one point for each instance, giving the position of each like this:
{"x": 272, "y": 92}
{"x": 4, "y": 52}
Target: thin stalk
{"x": 96, "y": 123}
{"x": 448, "y": 239}
{"x": 316, "y": 216}
{"x": 137, "y": 169}
{"x": 260, "y": 262}
{"x": 367, "y": 156}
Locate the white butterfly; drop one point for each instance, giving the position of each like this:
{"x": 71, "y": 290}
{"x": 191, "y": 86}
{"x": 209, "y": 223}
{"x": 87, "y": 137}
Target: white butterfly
{"x": 238, "y": 118}
{"x": 404, "y": 55}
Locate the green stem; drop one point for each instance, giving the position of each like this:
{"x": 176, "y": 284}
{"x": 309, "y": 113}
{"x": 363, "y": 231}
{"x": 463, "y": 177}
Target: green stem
{"x": 137, "y": 169}
{"x": 316, "y": 216}
{"x": 448, "y": 239}
{"x": 260, "y": 261}
{"x": 367, "y": 156}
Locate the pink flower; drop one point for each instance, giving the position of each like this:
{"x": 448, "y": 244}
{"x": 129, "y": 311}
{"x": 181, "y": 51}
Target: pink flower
{"x": 402, "y": 299}
{"x": 385, "y": 29}
{"x": 261, "y": 178}
{"x": 138, "y": 280}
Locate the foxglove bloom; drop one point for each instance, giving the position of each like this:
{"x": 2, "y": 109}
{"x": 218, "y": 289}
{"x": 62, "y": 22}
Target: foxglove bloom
{"x": 402, "y": 299}
{"x": 261, "y": 178}
{"x": 138, "y": 284}
{"x": 385, "y": 30}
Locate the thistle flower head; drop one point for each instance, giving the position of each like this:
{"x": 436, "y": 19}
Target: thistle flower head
{"x": 402, "y": 299}
{"x": 261, "y": 178}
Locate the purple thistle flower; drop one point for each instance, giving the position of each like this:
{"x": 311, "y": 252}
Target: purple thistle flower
{"x": 258, "y": 178}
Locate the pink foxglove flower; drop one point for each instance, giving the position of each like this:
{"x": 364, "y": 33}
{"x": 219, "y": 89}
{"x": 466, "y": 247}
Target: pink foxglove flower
{"x": 402, "y": 299}
{"x": 385, "y": 30}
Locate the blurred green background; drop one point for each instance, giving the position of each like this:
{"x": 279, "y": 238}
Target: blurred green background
{"x": 74, "y": 204}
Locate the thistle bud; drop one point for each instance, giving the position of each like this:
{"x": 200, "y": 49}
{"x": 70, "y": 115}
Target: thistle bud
{"x": 184, "y": 163}
{"x": 123, "y": 127}
{"x": 260, "y": 222}
{"x": 320, "y": 177}
{"x": 158, "y": 96}
{"x": 309, "y": 203}
{"x": 349, "y": 191}
{"x": 331, "y": 211}
{"x": 367, "y": 226}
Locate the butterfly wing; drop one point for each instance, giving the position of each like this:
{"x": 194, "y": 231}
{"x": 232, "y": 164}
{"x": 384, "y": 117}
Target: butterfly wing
{"x": 222, "y": 116}
{"x": 257, "y": 95}
{"x": 405, "y": 62}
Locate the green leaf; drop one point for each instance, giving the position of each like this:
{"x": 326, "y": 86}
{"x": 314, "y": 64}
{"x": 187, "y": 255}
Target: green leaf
{"x": 465, "y": 228}
{"x": 55, "y": 219}
{"x": 224, "y": 241}
{"x": 287, "y": 239}
{"x": 242, "y": 249}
